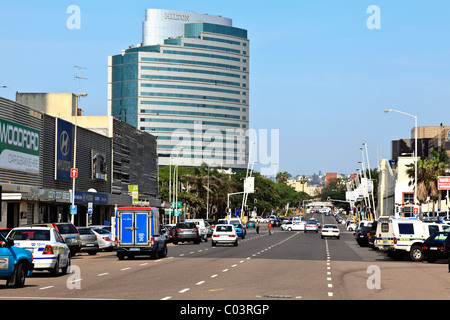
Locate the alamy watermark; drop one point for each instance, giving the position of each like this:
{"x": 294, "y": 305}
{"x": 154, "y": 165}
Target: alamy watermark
{"x": 74, "y": 20}
{"x": 227, "y": 148}
{"x": 374, "y": 20}
{"x": 374, "y": 280}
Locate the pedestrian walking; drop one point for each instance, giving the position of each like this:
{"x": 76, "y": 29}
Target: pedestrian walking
{"x": 257, "y": 226}
{"x": 270, "y": 226}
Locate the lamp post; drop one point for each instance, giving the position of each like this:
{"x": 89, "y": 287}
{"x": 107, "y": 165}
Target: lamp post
{"x": 370, "y": 177}
{"x": 415, "y": 149}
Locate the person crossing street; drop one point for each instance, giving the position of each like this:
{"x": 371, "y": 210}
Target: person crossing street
{"x": 270, "y": 226}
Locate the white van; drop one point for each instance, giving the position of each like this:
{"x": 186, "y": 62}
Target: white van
{"x": 404, "y": 236}
{"x": 202, "y": 227}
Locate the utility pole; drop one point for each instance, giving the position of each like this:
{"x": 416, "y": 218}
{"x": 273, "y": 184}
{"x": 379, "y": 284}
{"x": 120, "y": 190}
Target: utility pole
{"x": 79, "y": 95}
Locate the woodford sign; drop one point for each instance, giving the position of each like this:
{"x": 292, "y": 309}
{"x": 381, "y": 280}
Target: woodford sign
{"x": 19, "y": 147}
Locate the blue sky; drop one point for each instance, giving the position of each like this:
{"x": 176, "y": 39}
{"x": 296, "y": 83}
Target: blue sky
{"x": 317, "y": 73}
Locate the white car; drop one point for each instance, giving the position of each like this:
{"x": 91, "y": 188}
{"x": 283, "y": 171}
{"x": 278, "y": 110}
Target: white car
{"x": 285, "y": 225}
{"x": 48, "y": 248}
{"x": 104, "y": 238}
{"x": 224, "y": 233}
{"x": 297, "y": 226}
{"x": 351, "y": 226}
{"x": 330, "y": 230}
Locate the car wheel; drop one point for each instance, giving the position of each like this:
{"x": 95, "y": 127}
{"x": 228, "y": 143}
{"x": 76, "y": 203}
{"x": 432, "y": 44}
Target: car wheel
{"x": 92, "y": 253}
{"x": 213, "y": 244}
{"x": 55, "y": 270}
{"x": 236, "y": 243}
{"x": 18, "y": 277}
{"x": 289, "y": 229}
{"x": 416, "y": 253}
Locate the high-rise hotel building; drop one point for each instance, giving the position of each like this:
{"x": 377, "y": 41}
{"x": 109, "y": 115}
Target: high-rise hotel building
{"x": 188, "y": 84}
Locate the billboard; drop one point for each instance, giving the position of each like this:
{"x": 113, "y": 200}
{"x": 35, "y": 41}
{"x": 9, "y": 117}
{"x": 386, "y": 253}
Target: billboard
{"x": 19, "y": 147}
{"x": 99, "y": 166}
{"x": 63, "y": 154}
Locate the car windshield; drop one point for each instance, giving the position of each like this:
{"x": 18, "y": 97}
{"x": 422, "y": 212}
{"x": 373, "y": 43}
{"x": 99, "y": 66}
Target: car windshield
{"x": 330, "y": 226}
{"x": 29, "y": 234}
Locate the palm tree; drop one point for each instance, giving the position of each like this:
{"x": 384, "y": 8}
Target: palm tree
{"x": 282, "y": 177}
{"x": 303, "y": 181}
{"x": 428, "y": 169}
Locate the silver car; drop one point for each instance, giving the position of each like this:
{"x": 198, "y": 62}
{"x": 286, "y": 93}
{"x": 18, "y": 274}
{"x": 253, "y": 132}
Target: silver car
{"x": 89, "y": 241}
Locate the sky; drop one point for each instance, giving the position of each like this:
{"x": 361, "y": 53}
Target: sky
{"x": 321, "y": 72}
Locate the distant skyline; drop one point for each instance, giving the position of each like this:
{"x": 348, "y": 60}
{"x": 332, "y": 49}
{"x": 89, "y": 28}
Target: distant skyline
{"x": 321, "y": 72}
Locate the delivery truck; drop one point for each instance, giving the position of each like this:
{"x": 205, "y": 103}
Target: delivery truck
{"x": 137, "y": 231}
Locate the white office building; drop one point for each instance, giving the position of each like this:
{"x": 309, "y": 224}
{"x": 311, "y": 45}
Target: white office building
{"x": 187, "y": 84}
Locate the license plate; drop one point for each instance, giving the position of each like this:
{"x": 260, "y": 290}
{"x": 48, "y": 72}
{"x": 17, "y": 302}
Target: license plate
{"x": 135, "y": 249}
{"x": 433, "y": 248}
{"x": 89, "y": 245}
{"x": 361, "y": 236}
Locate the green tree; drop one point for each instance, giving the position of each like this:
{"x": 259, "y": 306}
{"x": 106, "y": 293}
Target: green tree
{"x": 428, "y": 170}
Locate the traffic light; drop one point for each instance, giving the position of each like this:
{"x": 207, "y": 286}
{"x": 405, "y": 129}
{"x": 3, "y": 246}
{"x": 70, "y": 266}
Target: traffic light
{"x": 256, "y": 190}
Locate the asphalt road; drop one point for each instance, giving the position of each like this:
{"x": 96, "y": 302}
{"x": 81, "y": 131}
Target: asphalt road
{"x": 287, "y": 266}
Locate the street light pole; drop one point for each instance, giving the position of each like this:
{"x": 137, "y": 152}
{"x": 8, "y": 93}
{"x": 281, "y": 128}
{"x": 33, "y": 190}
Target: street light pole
{"x": 370, "y": 177}
{"x": 415, "y": 149}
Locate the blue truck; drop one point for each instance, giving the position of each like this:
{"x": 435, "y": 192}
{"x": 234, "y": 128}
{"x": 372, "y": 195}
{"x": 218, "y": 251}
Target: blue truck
{"x": 15, "y": 263}
{"x": 138, "y": 233}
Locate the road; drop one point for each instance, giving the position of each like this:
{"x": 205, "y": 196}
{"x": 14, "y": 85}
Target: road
{"x": 288, "y": 266}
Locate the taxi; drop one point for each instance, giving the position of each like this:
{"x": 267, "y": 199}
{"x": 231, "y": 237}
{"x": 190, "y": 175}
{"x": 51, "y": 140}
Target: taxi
{"x": 47, "y": 246}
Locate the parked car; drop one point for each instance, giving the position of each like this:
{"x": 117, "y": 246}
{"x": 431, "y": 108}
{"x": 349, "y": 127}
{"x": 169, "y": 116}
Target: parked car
{"x": 104, "y": 238}
{"x": 186, "y": 231}
{"x": 49, "y": 250}
{"x": 373, "y": 235}
{"x": 311, "y": 225}
{"x": 330, "y": 230}
{"x": 69, "y": 233}
{"x": 15, "y": 263}
{"x": 437, "y": 246}
{"x": 224, "y": 234}
{"x": 362, "y": 236}
{"x": 89, "y": 241}
{"x": 101, "y": 226}
{"x": 169, "y": 232}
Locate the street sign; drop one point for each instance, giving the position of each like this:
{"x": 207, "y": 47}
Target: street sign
{"x": 90, "y": 207}
{"x": 74, "y": 173}
{"x": 73, "y": 209}
{"x": 444, "y": 183}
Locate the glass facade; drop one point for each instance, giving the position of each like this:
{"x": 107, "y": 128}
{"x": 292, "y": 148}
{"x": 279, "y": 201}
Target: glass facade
{"x": 179, "y": 87}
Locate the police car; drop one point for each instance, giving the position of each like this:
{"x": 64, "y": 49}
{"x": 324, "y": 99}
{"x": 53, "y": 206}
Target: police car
{"x": 47, "y": 246}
